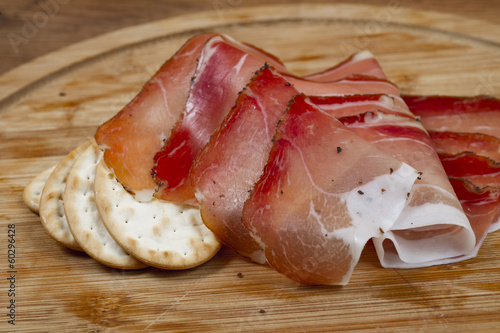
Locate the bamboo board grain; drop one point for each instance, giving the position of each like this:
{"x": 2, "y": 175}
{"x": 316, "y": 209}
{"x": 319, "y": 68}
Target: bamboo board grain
{"x": 56, "y": 102}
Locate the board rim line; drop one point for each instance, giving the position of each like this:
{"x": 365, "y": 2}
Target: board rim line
{"x": 64, "y": 69}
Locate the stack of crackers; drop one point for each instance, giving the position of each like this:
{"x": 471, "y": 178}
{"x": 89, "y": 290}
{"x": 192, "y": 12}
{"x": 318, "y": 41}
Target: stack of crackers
{"x": 83, "y": 207}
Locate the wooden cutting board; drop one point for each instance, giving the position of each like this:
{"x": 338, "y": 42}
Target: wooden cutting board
{"x": 54, "y": 103}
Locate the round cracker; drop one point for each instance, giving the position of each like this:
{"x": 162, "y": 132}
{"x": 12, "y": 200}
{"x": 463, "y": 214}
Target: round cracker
{"x": 161, "y": 234}
{"x": 51, "y": 201}
{"x": 33, "y": 191}
{"x": 82, "y": 216}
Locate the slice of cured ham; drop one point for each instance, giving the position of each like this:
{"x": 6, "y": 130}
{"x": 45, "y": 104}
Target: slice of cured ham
{"x": 225, "y": 171}
{"x": 480, "y": 170}
{"x": 317, "y": 204}
{"x": 359, "y": 63}
{"x": 479, "y": 114}
{"x": 482, "y": 206}
{"x": 224, "y": 68}
{"x": 432, "y": 226}
{"x": 132, "y": 137}
{"x": 456, "y": 143}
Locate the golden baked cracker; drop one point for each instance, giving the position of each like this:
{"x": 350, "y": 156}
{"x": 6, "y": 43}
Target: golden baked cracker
{"x": 82, "y": 216}
{"x": 51, "y": 201}
{"x": 161, "y": 234}
{"x": 33, "y": 191}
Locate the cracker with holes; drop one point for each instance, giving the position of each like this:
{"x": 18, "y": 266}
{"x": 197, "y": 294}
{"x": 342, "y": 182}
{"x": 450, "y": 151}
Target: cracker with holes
{"x": 161, "y": 234}
{"x": 82, "y": 216}
{"x": 33, "y": 191}
{"x": 51, "y": 201}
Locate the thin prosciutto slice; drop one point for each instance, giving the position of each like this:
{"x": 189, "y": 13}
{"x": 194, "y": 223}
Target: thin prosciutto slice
{"x": 359, "y": 63}
{"x": 456, "y": 143}
{"x": 133, "y": 136}
{"x": 432, "y": 227}
{"x": 480, "y": 170}
{"x": 224, "y": 68}
{"x": 317, "y": 203}
{"x": 479, "y": 114}
{"x": 225, "y": 171}
{"x": 482, "y": 206}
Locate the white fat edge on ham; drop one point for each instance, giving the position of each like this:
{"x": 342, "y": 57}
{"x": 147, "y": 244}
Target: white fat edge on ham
{"x": 144, "y": 195}
{"x": 346, "y": 86}
{"x": 385, "y": 102}
{"x": 495, "y": 225}
{"x": 356, "y": 64}
{"x": 374, "y": 207}
{"x": 448, "y": 234}
{"x": 210, "y": 49}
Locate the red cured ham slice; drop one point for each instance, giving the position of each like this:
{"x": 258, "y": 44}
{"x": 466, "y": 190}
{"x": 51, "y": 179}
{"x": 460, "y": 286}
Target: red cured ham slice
{"x": 316, "y": 204}
{"x": 455, "y": 143}
{"x": 225, "y": 171}
{"x": 354, "y": 85}
{"x": 359, "y": 63}
{"x": 482, "y": 207}
{"x": 433, "y": 214}
{"x": 224, "y": 68}
{"x": 480, "y": 170}
{"x": 480, "y": 114}
{"x": 132, "y": 137}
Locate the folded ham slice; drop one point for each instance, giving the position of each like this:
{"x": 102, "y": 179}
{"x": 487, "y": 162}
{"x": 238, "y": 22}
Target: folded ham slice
{"x": 224, "y": 68}
{"x": 317, "y": 203}
{"x": 432, "y": 226}
{"x": 225, "y": 171}
{"x": 407, "y": 245}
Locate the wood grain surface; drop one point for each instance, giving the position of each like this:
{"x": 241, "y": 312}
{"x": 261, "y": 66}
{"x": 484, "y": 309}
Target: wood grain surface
{"x": 55, "y": 102}
{"x": 71, "y": 21}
